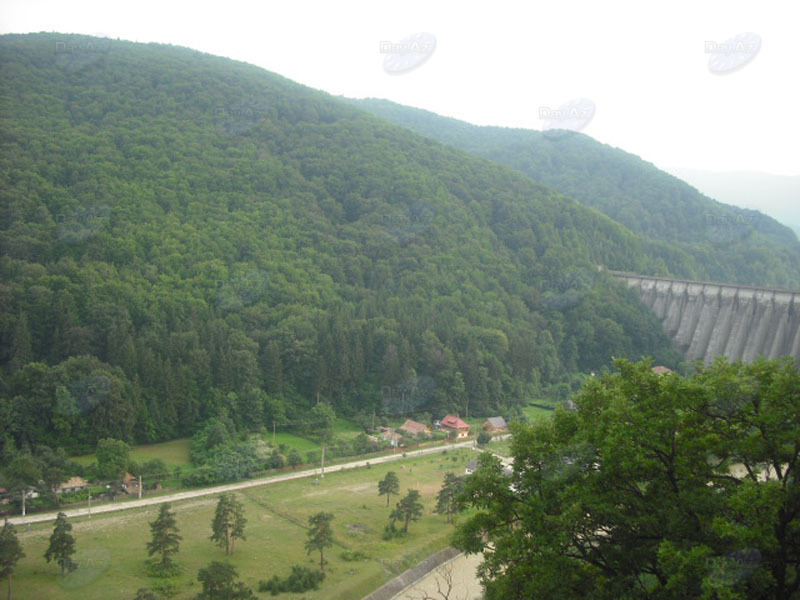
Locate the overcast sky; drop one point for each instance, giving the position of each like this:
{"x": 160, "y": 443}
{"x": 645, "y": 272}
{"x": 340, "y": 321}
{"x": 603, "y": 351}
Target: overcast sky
{"x": 645, "y": 65}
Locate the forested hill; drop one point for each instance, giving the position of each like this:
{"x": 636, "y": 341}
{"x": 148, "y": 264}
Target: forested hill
{"x": 727, "y": 243}
{"x": 184, "y": 235}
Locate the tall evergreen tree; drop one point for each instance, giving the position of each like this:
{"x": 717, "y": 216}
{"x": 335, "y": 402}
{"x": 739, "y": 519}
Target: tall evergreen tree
{"x": 166, "y": 540}
{"x": 389, "y": 485}
{"x": 10, "y": 552}
{"x": 447, "y": 498}
{"x": 228, "y": 524}
{"x": 320, "y": 535}
{"x": 62, "y": 544}
{"x": 408, "y": 509}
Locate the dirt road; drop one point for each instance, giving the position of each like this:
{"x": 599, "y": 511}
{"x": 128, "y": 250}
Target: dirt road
{"x": 239, "y": 485}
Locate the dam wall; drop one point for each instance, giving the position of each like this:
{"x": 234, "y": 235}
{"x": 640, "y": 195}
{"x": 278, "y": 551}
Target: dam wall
{"x": 706, "y": 320}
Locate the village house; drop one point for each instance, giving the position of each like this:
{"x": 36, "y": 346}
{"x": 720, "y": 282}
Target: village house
{"x": 390, "y": 435}
{"x": 493, "y": 424}
{"x": 130, "y": 485}
{"x": 451, "y": 423}
{"x": 414, "y": 428}
{"x": 73, "y": 484}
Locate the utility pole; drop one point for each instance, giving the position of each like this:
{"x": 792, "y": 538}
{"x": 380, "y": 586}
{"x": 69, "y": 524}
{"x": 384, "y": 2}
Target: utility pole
{"x": 24, "y": 494}
{"x": 140, "y": 487}
{"x": 322, "y": 469}
{"x": 273, "y": 434}
{"x": 90, "y": 506}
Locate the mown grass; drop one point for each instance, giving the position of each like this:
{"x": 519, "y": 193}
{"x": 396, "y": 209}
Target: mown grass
{"x": 535, "y": 412}
{"x": 276, "y": 529}
{"x": 174, "y": 453}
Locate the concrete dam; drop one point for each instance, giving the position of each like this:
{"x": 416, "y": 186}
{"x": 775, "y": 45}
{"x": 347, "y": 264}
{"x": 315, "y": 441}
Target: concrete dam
{"x": 706, "y": 320}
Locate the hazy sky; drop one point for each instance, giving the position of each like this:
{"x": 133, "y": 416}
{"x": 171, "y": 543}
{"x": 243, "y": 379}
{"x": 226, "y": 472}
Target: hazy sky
{"x": 645, "y": 65}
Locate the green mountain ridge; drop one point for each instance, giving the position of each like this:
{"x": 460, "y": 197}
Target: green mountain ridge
{"x": 726, "y": 243}
{"x": 185, "y": 236}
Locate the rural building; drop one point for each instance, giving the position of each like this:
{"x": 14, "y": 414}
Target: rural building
{"x": 451, "y": 423}
{"x": 391, "y": 436}
{"x": 414, "y": 428}
{"x": 660, "y": 370}
{"x": 493, "y": 424}
{"x": 472, "y": 466}
{"x": 130, "y": 485}
{"x": 73, "y": 484}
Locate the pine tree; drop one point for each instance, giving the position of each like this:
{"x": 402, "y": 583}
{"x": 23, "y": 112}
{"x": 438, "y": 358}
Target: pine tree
{"x": 320, "y": 535}
{"x": 166, "y": 540}
{"x": 447, "y": 498}
{"x": 62, "y": 544}
{"x": 228, "y": 524}
{"x": 10, "y": 552}
{"x": 408, "y": 509}
{"x": 389, "y": 485}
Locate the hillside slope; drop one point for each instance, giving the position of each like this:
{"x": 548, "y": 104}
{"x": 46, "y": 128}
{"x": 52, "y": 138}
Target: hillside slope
{"x": 727, "y": 243}
{"x": 184, "y": 235}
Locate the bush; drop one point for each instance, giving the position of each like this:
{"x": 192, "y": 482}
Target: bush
{"x": 391, "y": 532}
{"x": 166, "y": 588}
{"x": 302, "y": 579}
{"x": 484, "y": 437}
{"x": 276, "y": 460}
{"x": 352, "y": 555}
{"x": 153, "y": 569}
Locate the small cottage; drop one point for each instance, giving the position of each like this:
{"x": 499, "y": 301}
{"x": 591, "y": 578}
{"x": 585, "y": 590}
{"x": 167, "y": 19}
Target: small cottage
{"x": 493, "y": 424}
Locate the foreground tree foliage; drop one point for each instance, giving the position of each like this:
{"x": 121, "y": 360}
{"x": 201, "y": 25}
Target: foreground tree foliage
{"x": 655, "y": 487}
{"x": 10, "y": 553}
{"x": 62, "y": 544}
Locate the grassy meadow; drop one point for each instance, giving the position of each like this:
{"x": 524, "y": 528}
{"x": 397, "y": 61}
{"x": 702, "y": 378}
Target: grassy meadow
{"x": 111, "y": 547}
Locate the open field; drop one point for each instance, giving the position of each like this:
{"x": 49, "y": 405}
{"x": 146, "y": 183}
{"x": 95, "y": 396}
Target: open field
{"x": 174, "y": 453}
{"x": 534, "y": 412}
{"x": 113, "y": 545}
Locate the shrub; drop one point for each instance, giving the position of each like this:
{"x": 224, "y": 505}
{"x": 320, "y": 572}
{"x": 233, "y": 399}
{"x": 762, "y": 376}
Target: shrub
{"x": 484, "y": 437}
{"x": 352, "y": 555}
{"x": 301, "y": 579}
{"x": 166, "y": 588}
{"x": 391, "y": 532}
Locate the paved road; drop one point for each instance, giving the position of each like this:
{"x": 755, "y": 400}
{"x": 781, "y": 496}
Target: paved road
{"x": 239, "y": 485}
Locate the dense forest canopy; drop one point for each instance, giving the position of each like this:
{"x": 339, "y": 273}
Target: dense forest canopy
{"x": 185, "y": 236}
{"x": 721, "y": 242}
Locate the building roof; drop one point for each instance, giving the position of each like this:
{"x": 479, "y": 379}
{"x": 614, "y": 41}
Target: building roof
{"x": 472, "y": 465}
{"x": 497, "y": 422}
{"x": 454, "y": 423}
{"x": 661, "y": 370}
{"x": 413, "y": 426}
{"x": 73, "y": 482}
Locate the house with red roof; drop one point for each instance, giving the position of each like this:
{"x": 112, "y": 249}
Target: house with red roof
{"x": 451, "y": 423}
